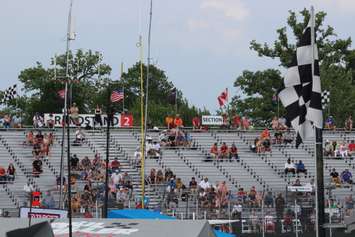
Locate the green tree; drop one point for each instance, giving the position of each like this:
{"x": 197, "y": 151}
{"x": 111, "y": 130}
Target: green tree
{"x": 88, "y": 77}
{"x": 160, "y": 89}
{"x": 337, "y": 66}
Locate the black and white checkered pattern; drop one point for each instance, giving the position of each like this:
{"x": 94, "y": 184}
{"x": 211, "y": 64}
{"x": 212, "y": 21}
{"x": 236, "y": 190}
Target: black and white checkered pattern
{"x": 301, "y": 95}
{"x": 325, "y": 98}
{"x": 9, "y": 94}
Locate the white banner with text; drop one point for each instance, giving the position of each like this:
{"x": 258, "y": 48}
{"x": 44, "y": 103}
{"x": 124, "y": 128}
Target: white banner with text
{"x": 212, "y": 120}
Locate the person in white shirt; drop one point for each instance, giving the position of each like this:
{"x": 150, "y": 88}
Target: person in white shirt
{"x": 290, "y": 167}
{"x": 204, "y": 184}
{"x": 116, "y": 177}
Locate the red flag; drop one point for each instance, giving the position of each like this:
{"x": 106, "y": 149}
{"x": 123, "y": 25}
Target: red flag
{"x": 223, "y": 98}
{"x": 61, "y": 93}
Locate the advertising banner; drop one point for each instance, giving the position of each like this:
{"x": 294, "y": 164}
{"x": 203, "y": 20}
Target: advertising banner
{"x": 42, "y": 213}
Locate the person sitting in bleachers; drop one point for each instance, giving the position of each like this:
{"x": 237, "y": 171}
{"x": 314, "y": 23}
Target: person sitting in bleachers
{"x": 252, "y": 197}
{"x": 253, "y": 147}
{"x": 328, "y": 149}
{"x": 204, "y": 184}
{"x": 346, "y": 177}
{"x": 224, "y": 151}
{"x": 287, "y": 137}
{"x": 269, "y": 200}
{"x": 290, "y": 167}
{"x": 351, "y": 148}
{"x": 343, "y": 150}
{"x": 233, "y": 152}
{"x": 300, "y": 168}
{"x": 269, "y": 223}
{"x": 278, "y": 137}
{"x": 85, "y": 163}
{"x": 11, "y": 171}
{"x": 335, "y": 178}
{"x": 193, "y": 186}
{"x": 214, "y": 151}
{"x": 29, "y": 138}
{"x": 3, "y": 177}
{"x": 241, "y": 195}
{"x": 37, "y": 167}
{"x": 160, "y": 177}
{"x": 115, "y": 165}
{"x": 79, "y": 137}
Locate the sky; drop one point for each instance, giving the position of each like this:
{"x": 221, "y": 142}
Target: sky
{"x": 202, "y": 45}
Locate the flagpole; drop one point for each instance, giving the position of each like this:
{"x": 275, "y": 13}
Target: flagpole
{"x": 176, "y": 101}
{"x": 147, "y": 94}
{"x": 122, "y": 87}
{"x": 319, "y": 187}
{"x": 109, "y": 117}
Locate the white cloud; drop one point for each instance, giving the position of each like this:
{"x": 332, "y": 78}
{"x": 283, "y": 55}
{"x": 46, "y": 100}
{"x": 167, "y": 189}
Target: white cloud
{"x": 339, "y": 5}
{"x": 233, "y": 9}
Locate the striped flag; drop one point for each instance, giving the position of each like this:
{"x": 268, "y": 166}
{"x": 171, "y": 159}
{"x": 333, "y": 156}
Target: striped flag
{"x": 301, "y": 95}
{"x": 61, "y": 93}
{"x": 117, "y": 95}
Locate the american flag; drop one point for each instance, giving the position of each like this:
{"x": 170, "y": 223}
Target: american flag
{"x": 61, "y": 93}
{"x": 117, "y": 95}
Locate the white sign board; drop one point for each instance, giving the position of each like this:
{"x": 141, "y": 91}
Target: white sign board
{"x": 299, "y": 188}
{"x": 212, "y": 120}
{"x": 84, "y": 120}
{"x": 42, "y": 213}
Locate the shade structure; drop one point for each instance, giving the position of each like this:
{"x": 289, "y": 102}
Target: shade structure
{"x": 138, "y": 214}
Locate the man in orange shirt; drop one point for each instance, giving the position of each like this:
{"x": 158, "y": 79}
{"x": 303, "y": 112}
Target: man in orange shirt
{"x": 178, "y": 121}
{"x": 169, "y": 121}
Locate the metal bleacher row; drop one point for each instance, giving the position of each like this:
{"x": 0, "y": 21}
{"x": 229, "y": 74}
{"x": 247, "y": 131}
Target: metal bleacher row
{"x": 264, "y": 171}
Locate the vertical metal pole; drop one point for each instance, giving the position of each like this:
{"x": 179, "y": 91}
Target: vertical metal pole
{"x": 109, "y": 117}
{"x": 296, "y": 217}
{"x": 146, "y": 96}
{"x": 320, "y": 231}
{"x": 330, "y": 220}
{"x": 68, "y": 121}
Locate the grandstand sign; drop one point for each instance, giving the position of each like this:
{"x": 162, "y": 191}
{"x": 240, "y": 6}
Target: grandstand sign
{"x": 301, "y": 189}
{"x": 42, "y": 213}
{"x": 87, "y": 120}
{"x": 212, "y": 120}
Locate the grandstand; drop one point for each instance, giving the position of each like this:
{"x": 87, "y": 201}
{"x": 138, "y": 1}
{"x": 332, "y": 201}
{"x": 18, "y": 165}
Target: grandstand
{"x": 264, "y": 171}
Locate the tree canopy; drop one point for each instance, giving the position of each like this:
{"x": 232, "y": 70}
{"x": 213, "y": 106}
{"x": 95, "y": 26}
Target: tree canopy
{"x": 89, "y": 80}
{"x": 337, "y": 68}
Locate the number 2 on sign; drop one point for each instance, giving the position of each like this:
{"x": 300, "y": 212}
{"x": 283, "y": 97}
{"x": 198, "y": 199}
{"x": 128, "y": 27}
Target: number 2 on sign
{"x": 126, "y": 121}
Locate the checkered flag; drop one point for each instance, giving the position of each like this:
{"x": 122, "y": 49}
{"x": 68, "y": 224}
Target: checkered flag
{"x": 325, "y": 98}
{"x": 301, "y": 95}
{"x": 9, "y": 94}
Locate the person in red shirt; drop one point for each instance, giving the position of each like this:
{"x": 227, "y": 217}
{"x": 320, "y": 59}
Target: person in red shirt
{"x": 214, "y": 151}
{"x": 233, "y": 153}
{"x": 115, "y": 165}
{"x": 178, "y": 121}
{"x": 245, "y": 123}
{"x": 196, "y": 123}
{"x": 237, "y": 121}
{"x": 2, "y": 175}
{"x": 224, "y": 150}
{"x": 351, "y": 148}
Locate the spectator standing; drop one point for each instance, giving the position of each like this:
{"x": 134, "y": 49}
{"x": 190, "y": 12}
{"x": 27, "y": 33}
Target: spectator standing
{"x": 115, "y": 165}
{"x": 329, "y": 123}
{"x": 178, "y": 121}
{"x": 98, "y": 118}
{"x": 279, "y": 206}
{"x": 38, "y": 121}
{"x": 74, "y": 114}
{"x": 237, "y": 123}
{"x": 169, "y": 121}
{"x": 349, "y": 123}
{"x": 269, "y": 200}
{"x": 28, "y": 188}
{"x": 349, "y": 205}
{"x": 50, "y": 121}
{"x": 7, "y": 121}
{"x": 196, "y": 123}
{"x": 48, "y": 201}
{"x": 245, "y": 123}
{"x": 328, "y": 149}
{"x": 74, "y": 162}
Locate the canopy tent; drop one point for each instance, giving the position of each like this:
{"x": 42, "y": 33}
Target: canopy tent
{"x": 138, "y": 214}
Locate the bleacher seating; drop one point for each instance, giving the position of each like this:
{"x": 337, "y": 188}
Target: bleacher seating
{"x": 265, "y": 171}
